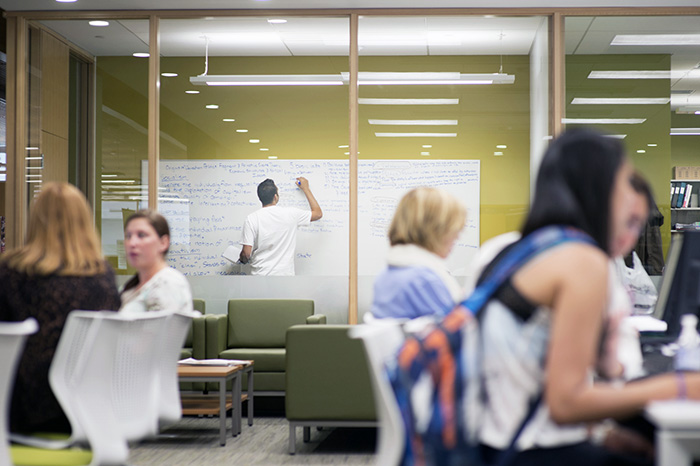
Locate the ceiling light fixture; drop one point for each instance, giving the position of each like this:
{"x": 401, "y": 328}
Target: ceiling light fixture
{"x": 344, "y": 146}
{"x": 253, "y": 141}
{"x": 501, "y": 146}
{"x": 241, "y": 130}
{"x": 416, "y": 135}
{"x": 276, "y": 21}
{"x": 425, "y": 153}
{"x": 264, "y": 149}
{"x": 620, "y": 101}
{"x": 368, "y": 101}
{"x": 603, "y": 121}
{"x": 685, "y": 132}
{"x": 229, "y": 119}
{"x": 66, "y": 1}
{"x": 414, "y": 122}
{"x": 364, "y": 78}
{"x": 169, "y": 75}
{"x": 98, "y": 23}
{"x": 427, "y": 146}
{"x": 630, "y": 74}
{"x": 141, "y": 54}
{"x": 498, "y": 153}
{"x": 191, "y": 92}
{"x": 212, "y": 106}
{"x": 656, "y": 39}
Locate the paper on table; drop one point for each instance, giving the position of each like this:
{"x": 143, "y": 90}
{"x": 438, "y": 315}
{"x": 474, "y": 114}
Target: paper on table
{"x": 213, "y": 362}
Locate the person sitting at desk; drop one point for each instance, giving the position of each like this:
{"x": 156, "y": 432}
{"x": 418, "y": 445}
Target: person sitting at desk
{"x": 416, "y": 282}
{"x": 269, "y": 234}
{"x": 155, "y": 287}
{"x": 59, "y": 269}
{"x": 584, "y": 183}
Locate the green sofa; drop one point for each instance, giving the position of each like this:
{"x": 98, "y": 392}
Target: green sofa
{"x": 328, "y": 380}
{"x": 255, "y": 329}
{"x": 195, "y": 342}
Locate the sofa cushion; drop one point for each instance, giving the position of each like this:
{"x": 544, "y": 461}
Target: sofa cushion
{"x": 266, "y": 359}
{"x": 263, "y": 323}
{"x": 185, "y": 353}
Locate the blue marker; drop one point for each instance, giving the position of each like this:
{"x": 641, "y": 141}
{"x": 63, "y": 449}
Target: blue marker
{"x": 299, "y": 183}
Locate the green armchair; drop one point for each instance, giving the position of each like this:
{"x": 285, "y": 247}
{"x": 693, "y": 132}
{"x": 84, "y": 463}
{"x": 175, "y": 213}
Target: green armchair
{"x": 195, "y": 343}
{"x": 255, "y": 329}
{"x": 328, "y": 380}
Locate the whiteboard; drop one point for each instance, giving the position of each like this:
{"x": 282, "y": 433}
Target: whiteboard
{"x": 206, "y": 203}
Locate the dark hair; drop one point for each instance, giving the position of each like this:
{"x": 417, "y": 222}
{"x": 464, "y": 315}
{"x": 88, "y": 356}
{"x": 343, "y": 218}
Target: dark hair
{"x": 575, "y": 182}
{"x": 159, "y": 224}
{"x": 641, "y": 186}
{"x": 267, "y": 191}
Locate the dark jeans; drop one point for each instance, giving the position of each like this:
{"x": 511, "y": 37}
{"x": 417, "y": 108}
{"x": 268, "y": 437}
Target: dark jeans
{"x": 580, "y": 454}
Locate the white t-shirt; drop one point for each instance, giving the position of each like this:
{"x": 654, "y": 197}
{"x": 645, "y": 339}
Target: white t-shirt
{"x": 272, "y": 232}
{"x": 168, "y": 290}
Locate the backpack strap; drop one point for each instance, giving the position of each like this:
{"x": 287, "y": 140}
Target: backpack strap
{"x": 524, "y": 250}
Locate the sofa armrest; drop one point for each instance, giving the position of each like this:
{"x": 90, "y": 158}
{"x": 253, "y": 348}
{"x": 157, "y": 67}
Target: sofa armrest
{"x": 216, "y": 334}
{"x": 199, "y": 338}
{"x": 316, "y": 319}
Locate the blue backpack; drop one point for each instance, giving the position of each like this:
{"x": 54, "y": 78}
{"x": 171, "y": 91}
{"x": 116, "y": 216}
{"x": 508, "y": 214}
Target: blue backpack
{"x": 440, "y": 366}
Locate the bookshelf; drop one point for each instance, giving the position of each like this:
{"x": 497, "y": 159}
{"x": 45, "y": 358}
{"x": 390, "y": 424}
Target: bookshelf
{"x": 685, "y": 215}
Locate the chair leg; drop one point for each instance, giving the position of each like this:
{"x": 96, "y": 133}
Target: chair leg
{"x": 292, "y": 439}
{"x": 307, "y": 434}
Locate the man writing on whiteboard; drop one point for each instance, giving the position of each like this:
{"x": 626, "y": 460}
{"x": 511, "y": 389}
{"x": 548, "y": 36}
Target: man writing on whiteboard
{"x": 269, "y": 234}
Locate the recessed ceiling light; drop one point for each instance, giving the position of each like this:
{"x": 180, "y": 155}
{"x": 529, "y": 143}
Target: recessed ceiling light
{"x": 620, "y": 101}
{"x": 416, "y": 135}
{"x": 685, "y": 132}
{"x": 641, "y": 151}
{"x": 344, "y": 146}
{"x": 346, "y": 153}
{"x": 66, "y": 1}
{"x": 425, "y": 153}
{"x": 141, "y": 54}
{"x": 212, "y": 106}
{"x": 276, "y": 21}
{"x": 253, "y": 141}
{"x": 98, "y": 23}
{"x": 273, "y": 157}
{"x": 652, "y": 145}
{"x": 264, "y": 149}
{"x": 498, "y": 153}
{"x": 229, "y": 119}
{"x": 241, "y": 130}
{"x": 603, "y": 121}
{"x": 191, "y": 92}
{"x": 427, "y": 146}
{"x": 501, "y": 146}
{"x": 168, "y": 75}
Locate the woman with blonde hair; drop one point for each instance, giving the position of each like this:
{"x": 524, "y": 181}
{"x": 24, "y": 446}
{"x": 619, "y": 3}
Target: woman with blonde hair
{"x": 425, "y": 226}
{"x": 59, "y": 269}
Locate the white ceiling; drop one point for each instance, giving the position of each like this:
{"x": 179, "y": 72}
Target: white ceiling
{"x": 29, "y": 5}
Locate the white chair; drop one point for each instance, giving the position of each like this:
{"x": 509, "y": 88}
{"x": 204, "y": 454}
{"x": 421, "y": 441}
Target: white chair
{"x": 382, "y": 341}
{"x": 12, "y": 338}
{"x": 172, "y": 337}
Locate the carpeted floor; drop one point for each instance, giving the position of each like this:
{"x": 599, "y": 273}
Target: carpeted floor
{"x": 195, "y": 441}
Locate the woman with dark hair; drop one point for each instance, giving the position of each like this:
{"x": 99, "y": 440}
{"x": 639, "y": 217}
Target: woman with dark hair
{"x": 543, "y": 330}
{"x": 155, "y": 287}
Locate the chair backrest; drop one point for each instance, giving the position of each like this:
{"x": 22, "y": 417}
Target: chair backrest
{"x": 171, "y": 338}
{"x": 263, "y": 323}
{"x": 198, "y": 305}
{"x": 12, "y": 338}
{"x": 108, "y": 389}
{"x": 382, "y": 341}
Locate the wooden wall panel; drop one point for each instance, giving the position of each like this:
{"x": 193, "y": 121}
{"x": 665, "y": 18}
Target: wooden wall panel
{"x": 55, "y": 59}
{"x": 55, "y": 152}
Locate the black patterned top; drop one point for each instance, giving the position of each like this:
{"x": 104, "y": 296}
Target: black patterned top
{"x": 48, "y": 299}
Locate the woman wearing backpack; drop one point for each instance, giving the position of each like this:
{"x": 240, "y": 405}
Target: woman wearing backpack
{"x": 541, "y": 331}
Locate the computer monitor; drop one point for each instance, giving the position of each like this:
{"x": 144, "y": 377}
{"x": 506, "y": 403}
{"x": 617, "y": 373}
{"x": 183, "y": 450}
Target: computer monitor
{"x": 679, "y": 292}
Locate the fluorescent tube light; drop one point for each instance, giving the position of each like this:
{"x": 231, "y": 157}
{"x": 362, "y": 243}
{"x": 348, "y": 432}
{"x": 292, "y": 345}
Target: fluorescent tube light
{"x": 241, "y": 130}
{"x": 685, "y": 132}
{"x": 343, "y": 146}
{"x": 498, "y": 153}
{"x": 656, "y": 39}
{"x": 364, "y": 78}
{"x": 118, "y": 181}
{"x": 253, "y": 141}
{"x": 276, "y": 21}
{"x": 425, "y": 153}
{"x": 367, "y": 101}
{"x": 169, "y": 75}
{"x": 603, "y": 121}
{"x": 414, "y": 122}
{"x": 141, "y": 54}
{"x": 272, "y": 157}
{"x": 229, "y": 119}
{"x": 212, "y": 106}
{"x": 98, "y": 23}
{"x": 501, "y": 146}
{"x": 427, "y": 146}
{"x": 641, "y": 151}
{"x": 630, "y": 74}
{"x": 416, "y": 135}
{"x": 191, "y": 92}
{"x": 620, "y": 101}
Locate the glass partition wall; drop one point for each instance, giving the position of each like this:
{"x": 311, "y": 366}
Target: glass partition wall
{"x": 638, "y": 79}
{"x": 448, "y": 102}
{"x": 463, "y": 102}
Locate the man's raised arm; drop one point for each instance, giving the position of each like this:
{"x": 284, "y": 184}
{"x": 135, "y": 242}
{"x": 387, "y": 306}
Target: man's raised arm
{"x": 316, "y": 212}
